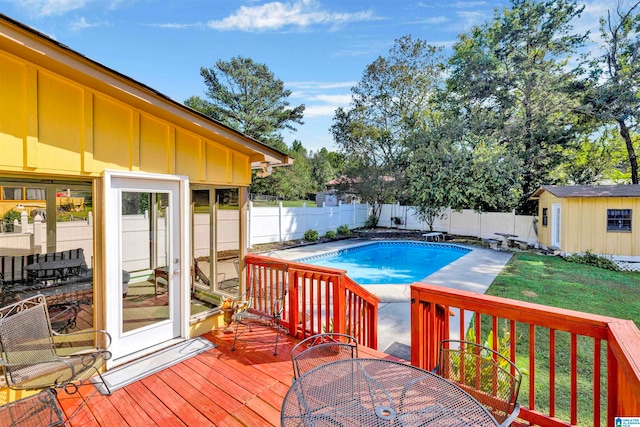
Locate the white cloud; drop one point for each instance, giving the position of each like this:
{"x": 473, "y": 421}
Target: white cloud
{"x": 340, "y": 99}
{"x": 320, "y": 110}
{"x": 472, "y": 18}
{"x": 465, "y": 4}
{"x": 81, "y": 24}
{"x": 431, "y": 20}
{"x": 320, "y": 85}
{"x": 277, "y": 15}
{"x": 174, "y": 26}
{"x": 52, "y": 7}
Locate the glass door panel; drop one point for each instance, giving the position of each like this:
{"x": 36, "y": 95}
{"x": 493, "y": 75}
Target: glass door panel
{"x": 145, "y": 246}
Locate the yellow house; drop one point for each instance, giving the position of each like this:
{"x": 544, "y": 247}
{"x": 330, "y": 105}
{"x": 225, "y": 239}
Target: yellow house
{"x": 161, "y": 192}
{"x": 601, "y": 219}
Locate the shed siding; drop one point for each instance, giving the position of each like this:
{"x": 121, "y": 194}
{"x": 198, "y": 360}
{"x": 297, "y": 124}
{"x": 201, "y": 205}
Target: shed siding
{"x": 55, "y": 125}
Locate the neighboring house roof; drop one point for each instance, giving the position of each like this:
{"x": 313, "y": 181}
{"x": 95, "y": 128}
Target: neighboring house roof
{"x": 264, "y": 155}
{"x": 589, "y": 190}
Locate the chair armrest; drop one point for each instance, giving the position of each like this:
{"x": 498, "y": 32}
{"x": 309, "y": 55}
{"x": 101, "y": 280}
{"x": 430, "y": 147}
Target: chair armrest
{"x": 105, "y": 336}
{"x": 68, "y": 365}
{"x": 512, "y": 417}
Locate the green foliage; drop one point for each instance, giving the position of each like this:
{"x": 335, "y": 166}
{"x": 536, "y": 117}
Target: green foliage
{"x": 310, "y": 235}
{"x": 322, "y": 171}
{"x": 9, "y": 217}
{"x": 510, "y": 86}
{"x": 387, "y": 105}
{"x": 343, "y": 230}
{"x": 247, "y": 97}
{"x": 371, "y": 222}
{"x": 594, "y": 159}
{"x": 330, "y": 234}
{"x": 615, "y": 77}
{"x": 592, "y": 259}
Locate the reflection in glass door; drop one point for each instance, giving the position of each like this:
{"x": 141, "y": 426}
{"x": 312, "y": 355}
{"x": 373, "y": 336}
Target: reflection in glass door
{"x": 145, "y": 244}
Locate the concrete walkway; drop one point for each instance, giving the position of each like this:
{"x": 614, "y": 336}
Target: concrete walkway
{"x": 473, "y": 272}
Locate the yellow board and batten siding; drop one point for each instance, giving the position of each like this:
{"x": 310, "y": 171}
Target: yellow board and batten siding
{"x": 54, "y": 125}
{"x": 584, "y": 224}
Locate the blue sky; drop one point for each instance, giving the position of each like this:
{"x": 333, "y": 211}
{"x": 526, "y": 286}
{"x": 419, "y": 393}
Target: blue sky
{"x": 319, "y": 48}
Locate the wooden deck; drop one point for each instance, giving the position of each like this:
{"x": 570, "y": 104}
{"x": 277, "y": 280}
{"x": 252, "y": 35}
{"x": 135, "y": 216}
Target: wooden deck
{"x": 218, "y": 387}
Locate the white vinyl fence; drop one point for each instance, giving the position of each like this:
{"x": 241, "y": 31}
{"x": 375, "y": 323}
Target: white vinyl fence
{"x": 268, "y": 225}
{"x": 464, "y": 223}
{"x": 279, "y": 224}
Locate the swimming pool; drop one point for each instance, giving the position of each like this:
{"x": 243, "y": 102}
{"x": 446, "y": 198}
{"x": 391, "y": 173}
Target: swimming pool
{"x": 397, "y": 262}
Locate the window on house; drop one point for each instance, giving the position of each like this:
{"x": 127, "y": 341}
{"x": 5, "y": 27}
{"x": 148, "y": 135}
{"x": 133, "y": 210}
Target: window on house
{"x": 618, "y": 219}
{"x": 545, "y": 216}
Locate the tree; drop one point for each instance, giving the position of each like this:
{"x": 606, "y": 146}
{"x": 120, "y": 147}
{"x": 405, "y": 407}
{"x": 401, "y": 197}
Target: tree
{"x": 617, "y": 98}
{"x": 321, "y": 169}
{"x": 450, "y": 170}
{"x": 597, "y": 158}
{"x": 512, "y": 86}
{"x": 435, "y": 175}
{"x": 293, "y": 182}
{"x": 247, "y": 97}
{"x": 387, "y": 106}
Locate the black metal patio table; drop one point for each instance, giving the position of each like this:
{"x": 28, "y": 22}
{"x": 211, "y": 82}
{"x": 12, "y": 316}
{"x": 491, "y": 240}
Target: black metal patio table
{"x": 378, "y": 392}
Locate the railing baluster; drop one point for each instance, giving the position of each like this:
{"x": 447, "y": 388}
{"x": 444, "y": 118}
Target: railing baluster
{"x": 532, "y": 366}
{"x": 597, "y": 348}
{"x": 552, "y": 372}
{"x": 574, "y": 378}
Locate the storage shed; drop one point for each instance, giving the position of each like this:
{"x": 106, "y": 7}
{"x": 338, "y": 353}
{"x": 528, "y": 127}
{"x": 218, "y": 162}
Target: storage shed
{"x": 601, "y": 219}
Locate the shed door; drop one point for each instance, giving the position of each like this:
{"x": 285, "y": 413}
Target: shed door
{"x": 555, "y": 225}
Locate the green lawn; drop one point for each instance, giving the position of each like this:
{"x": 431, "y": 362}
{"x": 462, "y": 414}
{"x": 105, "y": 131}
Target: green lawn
{"x": 579, "y": 287}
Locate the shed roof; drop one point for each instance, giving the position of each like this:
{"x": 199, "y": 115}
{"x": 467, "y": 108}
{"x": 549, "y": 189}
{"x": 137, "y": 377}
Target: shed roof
{"x": 589, "y": 190}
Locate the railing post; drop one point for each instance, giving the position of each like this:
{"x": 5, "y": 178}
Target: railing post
{"x": 339, "y": 307}
{"x": 294, "y": 314}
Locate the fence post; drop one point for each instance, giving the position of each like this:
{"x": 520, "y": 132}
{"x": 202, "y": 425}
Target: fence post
{"x": 39, "y": 242}
{"x": 353, "y": 215}
{"x": 304, "y": 217}
{"x": 249, "y": 222}
{"x": 280, "y": 238}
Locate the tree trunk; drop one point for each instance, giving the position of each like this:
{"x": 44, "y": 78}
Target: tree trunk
{"x": 633, "y": 160}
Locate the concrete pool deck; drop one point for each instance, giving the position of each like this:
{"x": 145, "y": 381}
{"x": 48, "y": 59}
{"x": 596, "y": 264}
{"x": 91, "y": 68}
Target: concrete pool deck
{"x": 473, "y": 272}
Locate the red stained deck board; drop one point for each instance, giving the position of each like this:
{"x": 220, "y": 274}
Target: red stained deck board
{"x": 218, "y": 387}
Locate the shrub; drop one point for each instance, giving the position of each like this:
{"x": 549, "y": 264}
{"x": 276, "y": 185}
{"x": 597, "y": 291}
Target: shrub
{"x": 372, "y": 222}
{"x": 330, "y": 234}
{"x": 344, "y": 230}
{"x": 311, "y": 235}
{"x": 9, "y": 217}
{"x": 594, "y": 260}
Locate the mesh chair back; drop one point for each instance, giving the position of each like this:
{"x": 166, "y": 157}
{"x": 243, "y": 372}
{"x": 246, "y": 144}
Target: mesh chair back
{"x": 487, "y": 375}
{"x": 28, "y": 350}
{"x": 264, "y": 302}
{"x": 26, "y": 340}
{"x": 319, "y": 349}
{"x": 267, "y": 289}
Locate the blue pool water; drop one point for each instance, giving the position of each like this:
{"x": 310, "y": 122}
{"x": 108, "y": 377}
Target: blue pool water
{"x": 400, "y": 262}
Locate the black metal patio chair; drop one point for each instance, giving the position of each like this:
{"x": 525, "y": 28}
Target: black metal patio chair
{"x": 487, "y": 375}
{"x": 319, "y": 349}
{"x": 31, "y": 352}
{"x": 263, "y": 303}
